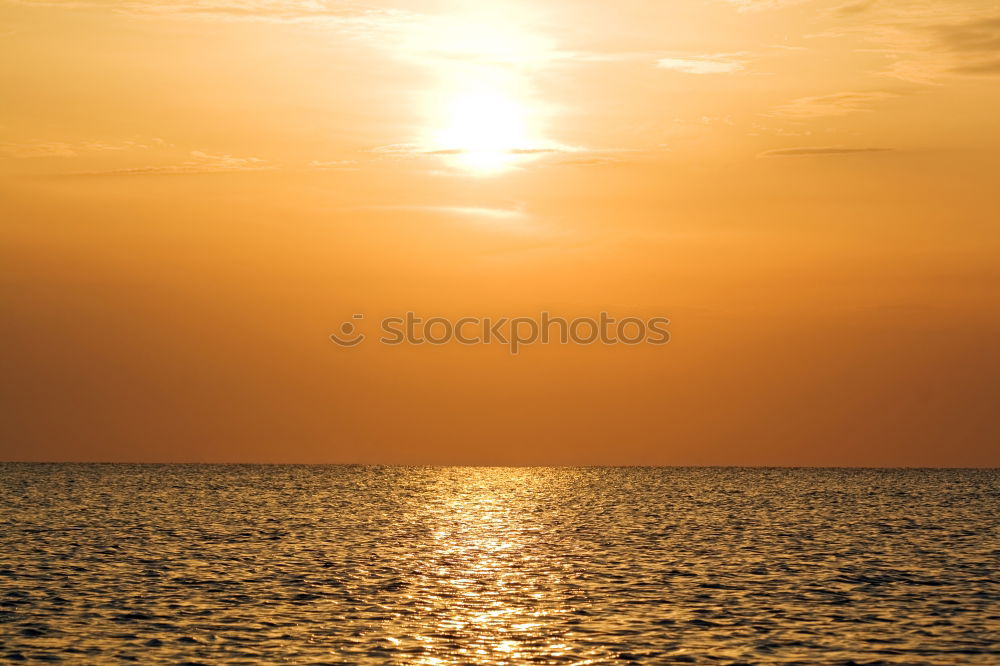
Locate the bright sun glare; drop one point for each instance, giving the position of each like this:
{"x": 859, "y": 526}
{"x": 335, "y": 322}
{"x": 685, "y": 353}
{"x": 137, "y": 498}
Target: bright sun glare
{"x": 486, "y": 130}
{"x": 481, "y": 115}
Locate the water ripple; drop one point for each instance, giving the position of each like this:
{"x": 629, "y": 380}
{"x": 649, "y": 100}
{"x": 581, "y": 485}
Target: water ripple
{"x": 373, "y": 565}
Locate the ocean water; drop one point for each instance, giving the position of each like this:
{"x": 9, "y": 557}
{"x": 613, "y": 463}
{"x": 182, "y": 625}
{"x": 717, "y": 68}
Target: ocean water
{"x": 192, "y": 564}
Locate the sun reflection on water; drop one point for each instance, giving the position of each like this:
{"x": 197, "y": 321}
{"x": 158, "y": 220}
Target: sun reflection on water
{"x": 484, "y": 552}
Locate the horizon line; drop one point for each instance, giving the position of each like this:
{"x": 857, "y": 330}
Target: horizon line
{"x": 514, "y": 466}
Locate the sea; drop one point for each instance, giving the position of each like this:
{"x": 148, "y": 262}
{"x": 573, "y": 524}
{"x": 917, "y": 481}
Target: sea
{"x": 343, "y": 564}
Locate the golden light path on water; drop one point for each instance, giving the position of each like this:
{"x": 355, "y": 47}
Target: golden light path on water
{"x": 485, "y": 549}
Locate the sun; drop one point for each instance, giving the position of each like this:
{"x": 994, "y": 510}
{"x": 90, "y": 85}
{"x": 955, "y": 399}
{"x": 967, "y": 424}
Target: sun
{"x": 483, "y": 131}
{"x": 481, "y": 112}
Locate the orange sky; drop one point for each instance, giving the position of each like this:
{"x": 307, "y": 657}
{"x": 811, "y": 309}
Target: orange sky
{"x": 194, "y": 194}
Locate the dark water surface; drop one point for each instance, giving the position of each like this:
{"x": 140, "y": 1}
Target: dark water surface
{"x": 370, "y": 565}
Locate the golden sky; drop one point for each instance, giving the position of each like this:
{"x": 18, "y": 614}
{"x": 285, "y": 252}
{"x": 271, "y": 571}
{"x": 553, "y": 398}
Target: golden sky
{"x": 194, "y": 194}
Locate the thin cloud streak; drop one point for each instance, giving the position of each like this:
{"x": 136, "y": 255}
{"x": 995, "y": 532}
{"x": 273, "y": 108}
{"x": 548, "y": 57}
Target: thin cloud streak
{"x": 33, "y": 149}
{"x": 706, "y": 65}
{"x": 462, "y": 211}
{"x": 836, "y": 104}
{"x": 925, "y": 41}
{"x": 819, "y": 150}
{"x": 201, "y": 163}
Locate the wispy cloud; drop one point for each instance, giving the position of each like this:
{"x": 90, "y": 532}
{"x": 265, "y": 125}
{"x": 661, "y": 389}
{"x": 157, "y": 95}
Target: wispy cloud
{"x": 116, "y": 146}
{"x": 700, "y": 65}
{"x": 974, "y": 45}
{"x": 570, "y": 156}
{"x": 38, "y": 149}
{"x": 931, "y": 47}
{"x": 334, "y": 165}
{"x": 420, "y": 150}
{"x": 836, "y": 104}
{"x": 819, "y": 150}
{"x": 984, "y": 67}
{"x": 854, "y": 7}
{"x": 588, "y": 160}
{"x": 925, "y": 41}
{"x": 200, "y": 162}
{"x": 29, "y": 149}
{"x": 763, "y": 5}
{"x": 924, "y": 71}
{"x": 284, "y": 10}
{"x": 506, "y": 220}
{"x": 463, "y": 211}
